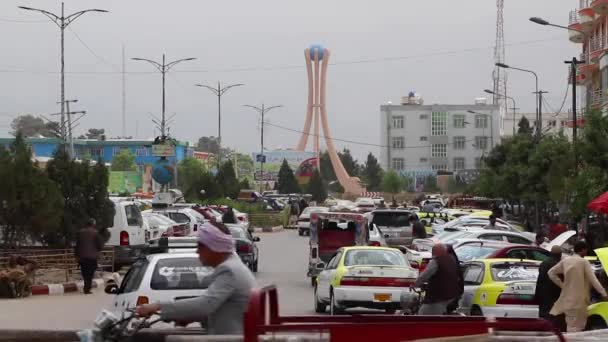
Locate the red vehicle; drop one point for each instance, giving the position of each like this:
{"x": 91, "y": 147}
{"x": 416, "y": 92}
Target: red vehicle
{"x": 467, "y": 250}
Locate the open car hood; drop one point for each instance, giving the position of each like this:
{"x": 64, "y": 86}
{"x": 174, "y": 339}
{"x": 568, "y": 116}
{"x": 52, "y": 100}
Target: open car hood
{"x": 602, "y": 254}
{"x": 560, "y": 239}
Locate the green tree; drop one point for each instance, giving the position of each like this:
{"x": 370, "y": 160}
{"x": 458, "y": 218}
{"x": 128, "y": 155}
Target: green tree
{"x": 226, "y": 178}
{"x": 32, "y": 126}
{"x": 287, "y": 182}
{"x": 524, "y": 126}
{"x": 30, "y": 205}
{"x": 316, "y": 187}
{"x": 191, "y": 178}
{"x": 392, "y": 183}
{"x": 99, "y": 205}
{"x": 327, "y": 169}
{"x": 124, "y": 161}
{"x": 244, "y": 184}
{"x": 350, "y": 164}
{"x": 371, "y": 173}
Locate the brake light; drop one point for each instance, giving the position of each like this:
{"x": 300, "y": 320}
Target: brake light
{"x": 374, "y": 243}
{"x": 516, "y": 299}
{"x": 142, "y": 300}
{"x": 240, "y": 218}
{"x": 375, "y": 281}
{"x": 414, "y": 264}
{"x": 124, "y": 238}
{"x": 423, "y": 265}
{"x": 244, "y": 248}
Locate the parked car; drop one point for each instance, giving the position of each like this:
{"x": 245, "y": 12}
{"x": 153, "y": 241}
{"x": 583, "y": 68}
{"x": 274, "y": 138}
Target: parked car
{"x": 164, "y": 226}
{"x": 249, "y": 196}
{"x": 246, "y": 246}
{"x": 304, "y": 219}
{"x": 364, "y": 204}
{"x": 468, "y": 250}
{"x": 451, "y": 235}
{"x": 184, "y": 215}
{"x": 128, "y": 233}
{"x": 394, "y": 225}
{"x": 367, "y": 277}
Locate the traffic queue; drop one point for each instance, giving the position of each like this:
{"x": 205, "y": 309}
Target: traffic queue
{"x": 376, "y": 259}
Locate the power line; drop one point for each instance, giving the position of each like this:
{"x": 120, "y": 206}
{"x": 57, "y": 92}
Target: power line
{"x": 22, "y": 21}
{"x": 294, "y": 67}
{"x": 101, "y": 59}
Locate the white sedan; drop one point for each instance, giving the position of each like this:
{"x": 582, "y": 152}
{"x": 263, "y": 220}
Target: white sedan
{"x": 363, "y": 277}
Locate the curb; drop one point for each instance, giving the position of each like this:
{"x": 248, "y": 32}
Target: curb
{"x": 59, "y": 289}
{"x": 269, "y": 229}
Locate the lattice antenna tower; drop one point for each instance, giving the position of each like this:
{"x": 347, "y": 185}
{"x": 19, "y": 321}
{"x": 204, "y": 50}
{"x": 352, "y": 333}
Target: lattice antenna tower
{"x": 500, "y": 75}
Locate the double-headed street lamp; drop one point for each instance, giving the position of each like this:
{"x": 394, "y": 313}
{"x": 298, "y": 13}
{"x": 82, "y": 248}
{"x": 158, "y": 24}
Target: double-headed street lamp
{"x": 538, "y": 96}
{"x": 573, "y": 63}
{"x": 62, "y": 22}
{"x": 163, "y": 68}
{"x": 219, "y": 91}
{"x": 506, "y": 97}
{"x": 262, "y": 111}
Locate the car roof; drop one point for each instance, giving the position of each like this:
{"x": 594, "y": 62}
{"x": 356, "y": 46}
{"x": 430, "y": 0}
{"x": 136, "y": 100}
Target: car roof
{"x": 370, "y": 248}
{"x": 392, "y": 211}
{"x": 160, "y": 256}
{"x": 504, "y": 260}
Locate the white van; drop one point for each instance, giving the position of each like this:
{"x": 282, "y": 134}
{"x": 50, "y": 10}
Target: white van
{"x": 129, "y": 233}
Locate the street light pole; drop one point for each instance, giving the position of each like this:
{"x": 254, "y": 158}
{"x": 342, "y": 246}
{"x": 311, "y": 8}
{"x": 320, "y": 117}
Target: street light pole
{"x": 262, "y": 111}
{"x": 219, "y": 91}
{"x": 538, "y": 96}
{"x": 506, "y": 97}
{"x": 491, "y": 128}
{"x": 163, "y": 69}
{"x": 62, "y": 22}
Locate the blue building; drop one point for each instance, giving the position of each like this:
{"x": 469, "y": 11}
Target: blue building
{"x": 104, "y": 149}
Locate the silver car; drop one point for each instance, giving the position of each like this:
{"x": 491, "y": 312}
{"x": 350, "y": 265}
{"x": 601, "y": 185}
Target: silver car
{"x": 394, "y": 225}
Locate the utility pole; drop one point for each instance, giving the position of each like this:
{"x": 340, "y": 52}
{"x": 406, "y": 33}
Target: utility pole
{"x": 219, "y": 91}
{"x": 163, "y": 68}
{"x": 514, "y": 118}
{"x": 70, "y": 126}
{"x": 573, "y": 68}
{"x": 124, "y": 95}
{"x": 262, "y": 111}
{"x": 539, "y": 116}
{"x": 62, "y": 22}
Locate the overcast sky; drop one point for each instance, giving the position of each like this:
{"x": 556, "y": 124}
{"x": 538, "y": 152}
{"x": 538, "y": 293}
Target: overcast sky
{"x": 260, "y": 43}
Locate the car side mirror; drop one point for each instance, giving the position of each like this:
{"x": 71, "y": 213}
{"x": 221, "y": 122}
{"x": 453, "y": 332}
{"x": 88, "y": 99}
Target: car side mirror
{"x": 386, "y": 236}
{"x": 320, "y": 265}
{"x": 111, "y": 289}
{"x": 256, "y": 239}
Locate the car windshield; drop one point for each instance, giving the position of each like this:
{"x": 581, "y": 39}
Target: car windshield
{"x": 309, "y": 210}
{"x": 392, "y": 219}
{"x": 179, "y": 274}
{"x": 237, "y": 232}
{"x": 509, "y": 272}
{"x": 452, "y": 236}
{"x": 160, "y": 219}
{"x": 475, "y": 251}
{"x": 373, "y": 258}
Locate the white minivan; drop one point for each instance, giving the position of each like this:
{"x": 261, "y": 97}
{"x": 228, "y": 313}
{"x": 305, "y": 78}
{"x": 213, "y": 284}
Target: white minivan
{"x": 129, "y": 233}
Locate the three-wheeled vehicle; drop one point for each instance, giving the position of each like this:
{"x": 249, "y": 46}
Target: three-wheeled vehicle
{"x": 330, "y": 232}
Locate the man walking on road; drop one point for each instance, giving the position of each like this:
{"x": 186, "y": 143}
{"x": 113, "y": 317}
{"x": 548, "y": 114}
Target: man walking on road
{"x": 575, "y": 288}
{"x": 547, "y": 292}
{"x": 88, "y": 245}
{"x": 442, "y": 275}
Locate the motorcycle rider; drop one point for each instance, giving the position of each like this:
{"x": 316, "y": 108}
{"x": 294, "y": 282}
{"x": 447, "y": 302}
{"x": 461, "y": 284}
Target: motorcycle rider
{"x": 225, "y": 301}
{"x": 442, "y": 275}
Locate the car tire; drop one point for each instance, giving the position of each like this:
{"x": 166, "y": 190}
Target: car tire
{"x": 300, "y": 232}
{"x": 254, "y": 266}
{"x": 476, "y": 311}
{"x": 320, "y": 307}
{"x": 596, "y": 323}
{"x": 334, "y": 309}
{"x": 313, "y": 281}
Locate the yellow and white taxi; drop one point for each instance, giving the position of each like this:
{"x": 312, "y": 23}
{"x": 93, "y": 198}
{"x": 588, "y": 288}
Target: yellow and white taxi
{"x": 363, "y": 277}
{"x": 500, "y": 288}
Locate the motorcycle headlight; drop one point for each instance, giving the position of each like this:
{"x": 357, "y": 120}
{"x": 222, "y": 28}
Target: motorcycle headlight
{"x": 105, "y": 319}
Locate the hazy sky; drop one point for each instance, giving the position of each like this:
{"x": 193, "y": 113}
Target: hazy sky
{"x": 447, "y": 47}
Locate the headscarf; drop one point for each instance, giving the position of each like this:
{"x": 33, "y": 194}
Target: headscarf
{"x": 215, "y": 239}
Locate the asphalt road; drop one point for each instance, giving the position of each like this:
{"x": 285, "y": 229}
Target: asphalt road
{"x": 283, "y": 262}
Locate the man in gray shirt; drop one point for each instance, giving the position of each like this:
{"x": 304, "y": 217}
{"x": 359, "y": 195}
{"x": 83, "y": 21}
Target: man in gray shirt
{"x": 225, "y": 301}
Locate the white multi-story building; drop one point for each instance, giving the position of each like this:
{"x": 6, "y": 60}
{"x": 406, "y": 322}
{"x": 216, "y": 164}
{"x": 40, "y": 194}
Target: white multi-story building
{"x": 423, "y": 139}
{"x": 552, "y": 123}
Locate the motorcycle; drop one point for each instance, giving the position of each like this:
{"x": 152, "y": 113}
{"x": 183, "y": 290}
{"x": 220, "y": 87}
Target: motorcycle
{"x": 411, "y": 301}
{"x": 109, "y": 327}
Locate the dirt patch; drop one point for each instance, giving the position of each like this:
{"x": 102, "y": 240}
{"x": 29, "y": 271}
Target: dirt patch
{"x": 58, "y": 276}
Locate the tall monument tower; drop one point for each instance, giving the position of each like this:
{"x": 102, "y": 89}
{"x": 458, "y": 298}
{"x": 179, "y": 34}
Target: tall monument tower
{"x": 317, "y": 60}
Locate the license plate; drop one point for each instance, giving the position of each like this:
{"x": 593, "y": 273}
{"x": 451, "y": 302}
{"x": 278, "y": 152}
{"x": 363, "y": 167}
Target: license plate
{"x": 382, "y": 297}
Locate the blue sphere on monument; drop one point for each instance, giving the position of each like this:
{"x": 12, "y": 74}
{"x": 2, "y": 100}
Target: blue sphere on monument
{"x": 317, "y": 47}
{"x": 163, "y": 172}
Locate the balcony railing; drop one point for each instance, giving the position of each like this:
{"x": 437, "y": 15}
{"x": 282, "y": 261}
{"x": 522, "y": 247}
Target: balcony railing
{"x": 597, "y": 98}
{"x": 597, "y": 43}
{"x": 574, "y": 17}
{"x": 585, "y": 4}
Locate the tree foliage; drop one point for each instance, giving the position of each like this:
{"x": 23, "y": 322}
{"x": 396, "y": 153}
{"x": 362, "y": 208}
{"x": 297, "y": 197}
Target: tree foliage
{"x": 371, "y": 173}
{"x": 30, "y": 204}
{"x": 32, "y": 126}
{"x": 351, "y": 166}
{"x": 124, "y": 161}
{"x": 392, "y": 182}
{"x": 287, "y": 183}
{"x": 524, "y": 126}
{"x": 316, "y": 187}
{"x": 226, "y": 179}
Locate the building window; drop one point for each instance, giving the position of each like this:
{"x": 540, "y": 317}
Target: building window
{"x": 424, "y": 160}
{"x": 142, "y": 151}
{"x": 478, "y": 163}
{"x": 424, "y": 139}
{"x": 439, "y": 150}
{"x": 439, "y": 167}
{"x": 116, "y": 150}
{"x": 481, "y": 121}
{"x": 439, "y": 123}
{"x": 458, "y": 121}
{"x": 96, "y": 152}
{"x": 564, "y": 123}
{"x": 423, "y": 116}
{"x": 481, "y": 143}
{"x": 459, "y": 143}
{"x": 398, "y": 164}
{"x": 458, "y": 163}
{"x": 398, "y": 142}
{"x": 397, "y": 121}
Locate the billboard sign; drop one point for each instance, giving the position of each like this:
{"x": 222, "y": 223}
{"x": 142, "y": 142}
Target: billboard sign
{"x": 274, "y": 159}
{"x": 166, "y": 149}
{"x": 125, "y": 182}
